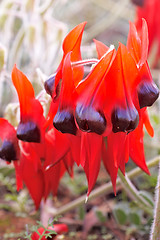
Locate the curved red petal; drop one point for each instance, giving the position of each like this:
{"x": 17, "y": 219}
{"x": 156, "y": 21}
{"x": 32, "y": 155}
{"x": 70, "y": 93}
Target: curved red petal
{"x": 67, "y": 88}
{"x": 73, "y": 38}
{"x": 101, "y": 48}
{"x": 136, "y": 147}
{"x": 72, "y": 44}
{"x": 92, "y": 163}
{"x": 24, "y": 89}
{"x": 32, "y": 175}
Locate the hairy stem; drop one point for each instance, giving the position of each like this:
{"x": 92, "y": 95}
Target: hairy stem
{"x": 134, "y": 193}
{"x": 155, "y": 229}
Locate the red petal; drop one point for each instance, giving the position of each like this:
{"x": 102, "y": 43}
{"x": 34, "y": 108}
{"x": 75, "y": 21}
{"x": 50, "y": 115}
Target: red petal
{"x": 138, "y": 47}
{"x": 52, "y": 178}
{"x": 32, "y": 177}
{"x": 75, "y": 145}
{"x": 134, "y": 43}
{"x": 73, "y": 38}
{"x": 24, "y": 89}
{"x": 72, "y": 43}
{"x": 8, "y": 134}
{"x": 136, "y": 147}
{"x": 101, "y": 48}
{"x": 116, "y": 155}
{"x": 144, "y": 42}
{"x": 68, "y": 87}
{"x": 88, "y": 88}
{"x": 92, "y": 163}
{"x": 129, "y": 69}
{"x": 109, "y": 163}
{"x": 147, "y": 124}
{"x": 56, "y": 146}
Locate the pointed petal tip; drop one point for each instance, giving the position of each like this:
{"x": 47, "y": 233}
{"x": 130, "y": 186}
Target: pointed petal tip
{"x": 86, "y": 200}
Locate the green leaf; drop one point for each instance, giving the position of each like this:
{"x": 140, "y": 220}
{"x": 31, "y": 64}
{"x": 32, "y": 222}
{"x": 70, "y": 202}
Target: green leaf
{"x": 134, "y": 218}
{"x": 120, "y": 215}
{"x": 100, "y": 216}
{"x": 148, "y": 197}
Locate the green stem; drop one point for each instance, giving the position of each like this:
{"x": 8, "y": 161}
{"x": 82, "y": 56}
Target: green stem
{"x": 134, "y": 193}
{"x": 102, "y": 190}
{"x": 155, "y": 229}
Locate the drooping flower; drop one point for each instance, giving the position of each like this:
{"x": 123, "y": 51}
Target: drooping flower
{"x": 98, "y": 117}
{"x": 9, "y": 149}
{"x": 71, "y": 44}
{"x": 42, "y": 163}
{"x": 149, "y": 10}
{"x": 146, "y": 88}
{"x": 90, "y": 113}
{"x": 64, "y": 118}
{"x": 31, "y": 112}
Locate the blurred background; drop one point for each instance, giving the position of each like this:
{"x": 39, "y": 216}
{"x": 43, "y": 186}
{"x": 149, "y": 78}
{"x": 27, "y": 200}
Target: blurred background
{"x": 31, "y": 35}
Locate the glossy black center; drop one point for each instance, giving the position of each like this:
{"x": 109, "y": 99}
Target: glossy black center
{"x": 90, "y": 120}
{"x": 124, "y": 120}
{"x": 28, "y": 132}
{"x": 64, "y": 122}
{"x": 7, "y": 151}
{"x": 49, "y": 85}
{"x": 148, "y": 92}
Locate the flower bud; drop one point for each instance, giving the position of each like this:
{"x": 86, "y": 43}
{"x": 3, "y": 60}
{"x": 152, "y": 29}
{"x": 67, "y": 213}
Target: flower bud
{"x": 90, "y": 120}
{"x": 124, "y": 120}
{"x": 64, "y": 122}
{"x": 147, "y": 94}
{"x": 28, "y": 132}
{"x": 7, "y": 151}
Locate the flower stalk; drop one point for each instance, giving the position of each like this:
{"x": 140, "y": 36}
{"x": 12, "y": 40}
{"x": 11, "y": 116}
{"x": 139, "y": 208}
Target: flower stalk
{"x": 104, "y": 189}
{"x": 134, "y": 193}
{"x": 85, "y": 62}
{"x": 155, "y": 229}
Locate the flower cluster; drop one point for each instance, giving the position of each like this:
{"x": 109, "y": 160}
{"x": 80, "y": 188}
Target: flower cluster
{"x": 42, "y": 232}
{"x": 149, "y": 10}
{"x": 93, "y": 118}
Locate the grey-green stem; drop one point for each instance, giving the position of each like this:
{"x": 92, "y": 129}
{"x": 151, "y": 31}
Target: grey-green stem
{"x": 102, "y": 190}
{"x": 155, "y": 229}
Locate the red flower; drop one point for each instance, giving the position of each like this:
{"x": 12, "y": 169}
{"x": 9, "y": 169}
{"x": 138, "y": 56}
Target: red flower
{"x": 58, "y": 228}
{"x": 41, "y": 163}
{"x": 64, "y": 118}
{"x": 150, "y": 12}
{"x": 72, "y": 44}
{"x": 31, "y": 112}
{"x": 102, "y": 116}
{"x": 147, "y": 89}
{"x": 9, "y": 149}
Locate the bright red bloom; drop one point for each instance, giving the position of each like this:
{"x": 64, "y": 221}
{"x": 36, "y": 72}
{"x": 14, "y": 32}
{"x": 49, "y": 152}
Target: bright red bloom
{"x": 102, "y": 115}
{"x": 41, "y": 165}
{"x": 150, "y": 12}
{"x": 58, "y": 228}
{"x": 72, "y": 44}
{"x": 64, "y": 118}
{"x": 31, "y": 112}
{"x": 146, "y": 88}
{"x": 90, "y": 112}
{"x": 9, "y": 149}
